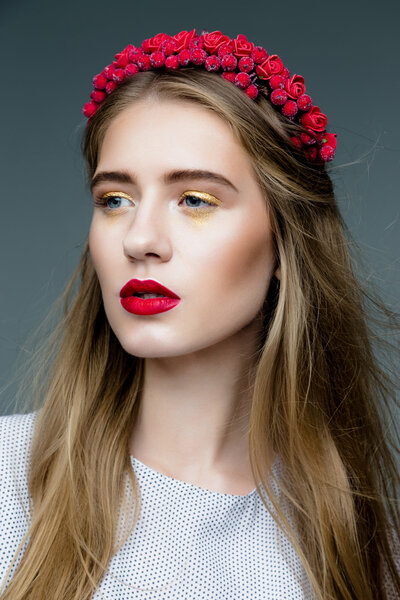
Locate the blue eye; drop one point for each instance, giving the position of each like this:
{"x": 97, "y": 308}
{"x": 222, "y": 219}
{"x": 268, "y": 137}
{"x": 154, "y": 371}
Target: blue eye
{"x": 112, "y": 201}
{"x": 196, "y": 199}
{"x": 116, "y": 202}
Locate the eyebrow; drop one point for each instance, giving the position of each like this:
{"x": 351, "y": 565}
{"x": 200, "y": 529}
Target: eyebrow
{"x": 168, "y": 178}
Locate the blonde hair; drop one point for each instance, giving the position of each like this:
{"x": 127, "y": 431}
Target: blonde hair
{"x": 321, "y": 398}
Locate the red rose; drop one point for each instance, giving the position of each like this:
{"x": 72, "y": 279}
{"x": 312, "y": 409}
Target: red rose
{"x": 295, "y": 86}
{"x": 241, "y": 47}
{"x": 271, "y": 66}
{"x": 123, "y": 56}
{"x": 213, "y": 40}
{"x": 154, "y": 43}
{"x": 183, "y": 38}
{"x": 314, "y": 119}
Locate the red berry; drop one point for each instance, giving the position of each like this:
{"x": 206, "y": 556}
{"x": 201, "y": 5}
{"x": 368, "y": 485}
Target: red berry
{"x": 251, "y": 91}
{"x": 329, "y": 138}
{"x": 307, "y": 139}
{"x": 100, "y": 81}
{"x": 134, "y": 54}
{"x": 110, "y": 87}
{"x": 172, "y": 62}
{"x": 277, "y": 82}
{"x": 229, "y": 62}
{"x": 224, "y": 49}
{"x": 296, "y": 142}
{"x": 285, "y": 72}
{"x": 327, "y": 153}
{"x": 289, "y": 109}
{"x": 184, "y": 57}
{"x": 143, "y": 62}
{"x": 213, "y": 63}
{"x": 118, "y": 75}
{"x": 304, "y": 102}
{"x": 246, "y": 64}
{"x": 259, "y": 54}
{"x": 311, "y": 153}
{"x": 98, "y": 96}
{"x": 196, "y": 42}
{"x": 89, "y": 109}
{"x": 168, "y": 47}
{"x": 229, "y": 76}
{"x": 242, "y": 80}
{"x": 198, "y": 56}
{"x": 157, "y": 59}
{"x": 278, "y": 97}
{"x": 109, "y": 71}
{"x": 131, "y": 69}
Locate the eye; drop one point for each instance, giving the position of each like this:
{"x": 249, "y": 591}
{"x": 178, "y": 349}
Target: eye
{"x": 198, "y": 200}
{"x": 113, "y": 200}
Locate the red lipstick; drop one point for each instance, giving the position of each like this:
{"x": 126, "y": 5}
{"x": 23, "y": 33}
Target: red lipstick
{"x": 147, "y": 306}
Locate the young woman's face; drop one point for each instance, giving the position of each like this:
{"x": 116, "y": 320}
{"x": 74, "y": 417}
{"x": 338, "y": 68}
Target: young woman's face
{"x": 207, "y": 238}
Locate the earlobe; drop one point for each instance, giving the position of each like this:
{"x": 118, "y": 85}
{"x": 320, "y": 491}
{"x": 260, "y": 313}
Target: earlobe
{"x": 278, "y": 273}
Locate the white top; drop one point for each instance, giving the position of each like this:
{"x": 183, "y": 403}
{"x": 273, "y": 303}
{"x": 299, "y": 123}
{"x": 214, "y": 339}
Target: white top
{"x": 189, "y": 542}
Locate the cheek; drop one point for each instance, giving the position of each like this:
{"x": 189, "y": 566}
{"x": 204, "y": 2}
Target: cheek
{"x": 247, "y": 263}
{"x": 101, "y": 251}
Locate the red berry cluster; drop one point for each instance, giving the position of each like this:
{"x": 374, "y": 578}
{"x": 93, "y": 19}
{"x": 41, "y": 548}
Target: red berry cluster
{"x": 247, "y": 66}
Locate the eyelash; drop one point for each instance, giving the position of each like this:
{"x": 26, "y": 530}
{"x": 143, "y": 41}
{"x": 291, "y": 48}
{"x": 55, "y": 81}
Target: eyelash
{"x": 102, "y": 201}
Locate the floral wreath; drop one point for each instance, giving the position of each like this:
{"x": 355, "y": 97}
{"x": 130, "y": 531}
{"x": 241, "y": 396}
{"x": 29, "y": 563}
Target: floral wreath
{"x": 247, "y": 66}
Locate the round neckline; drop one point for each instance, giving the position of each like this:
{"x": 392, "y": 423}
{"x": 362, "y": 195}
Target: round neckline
{"x": 162, "y": 476}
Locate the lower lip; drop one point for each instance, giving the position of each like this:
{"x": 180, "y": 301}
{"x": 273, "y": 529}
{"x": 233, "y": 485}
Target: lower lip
{"x": 148, "y": 306}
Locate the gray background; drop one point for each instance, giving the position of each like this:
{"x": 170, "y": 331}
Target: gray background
{"x": 348, "y": 53}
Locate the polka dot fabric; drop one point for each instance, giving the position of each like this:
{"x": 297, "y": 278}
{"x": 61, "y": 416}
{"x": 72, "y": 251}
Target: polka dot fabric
{"x": 189, "y": 542}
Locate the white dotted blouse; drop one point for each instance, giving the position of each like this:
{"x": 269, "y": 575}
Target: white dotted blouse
{"x": 189, "y": 542}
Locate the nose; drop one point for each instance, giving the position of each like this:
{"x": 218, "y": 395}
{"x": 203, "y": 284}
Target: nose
{"x": 147, "y": 234}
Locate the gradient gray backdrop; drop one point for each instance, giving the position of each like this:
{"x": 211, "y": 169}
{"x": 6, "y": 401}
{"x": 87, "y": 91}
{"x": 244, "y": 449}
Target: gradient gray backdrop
{"x": 348, "y": 53}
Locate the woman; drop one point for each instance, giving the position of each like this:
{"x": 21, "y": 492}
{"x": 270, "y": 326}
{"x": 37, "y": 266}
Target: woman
{"x": 211, "y": 424}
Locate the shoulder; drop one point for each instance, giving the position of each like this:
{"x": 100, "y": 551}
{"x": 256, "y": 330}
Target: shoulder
{"x": 16, "y": 432}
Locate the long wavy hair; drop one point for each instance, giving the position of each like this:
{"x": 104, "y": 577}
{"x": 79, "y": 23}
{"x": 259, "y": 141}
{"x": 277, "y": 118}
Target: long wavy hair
{"x": 322, "y": 398}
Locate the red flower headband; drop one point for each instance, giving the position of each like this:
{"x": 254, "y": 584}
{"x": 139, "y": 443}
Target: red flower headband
{"x": 247, "y": 66}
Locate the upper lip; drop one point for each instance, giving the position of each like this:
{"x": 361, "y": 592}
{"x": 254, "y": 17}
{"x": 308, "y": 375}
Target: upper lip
{"x": 145, "y": 286}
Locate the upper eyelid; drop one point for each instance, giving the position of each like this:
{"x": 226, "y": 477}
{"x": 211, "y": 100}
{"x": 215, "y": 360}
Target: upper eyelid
{"x": 116, "y": 194}
{"x": 201, "y": 195}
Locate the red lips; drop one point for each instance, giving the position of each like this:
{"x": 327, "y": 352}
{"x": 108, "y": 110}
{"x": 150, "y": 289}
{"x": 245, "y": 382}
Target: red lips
{"x": 147, "y": 306}
{"x": 147, "y": 286}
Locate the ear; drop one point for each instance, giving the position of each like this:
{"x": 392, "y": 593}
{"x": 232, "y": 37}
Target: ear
{"x": 278, "y": 273}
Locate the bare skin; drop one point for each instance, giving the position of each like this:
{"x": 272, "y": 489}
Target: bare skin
{"x": 217, "y": 256}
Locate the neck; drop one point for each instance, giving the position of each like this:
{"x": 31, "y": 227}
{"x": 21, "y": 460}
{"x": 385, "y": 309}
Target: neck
{"x": 194, "y": 409}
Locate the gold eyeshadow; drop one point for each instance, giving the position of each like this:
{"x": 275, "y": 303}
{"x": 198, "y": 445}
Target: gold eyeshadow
{"x": 203, "y": 196}
{"x": 117, "y": 194}
{"x": 199, "y": 214}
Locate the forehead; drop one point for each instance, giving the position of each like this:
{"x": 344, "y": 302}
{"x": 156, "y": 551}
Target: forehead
{"x": 170, "y": 134}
